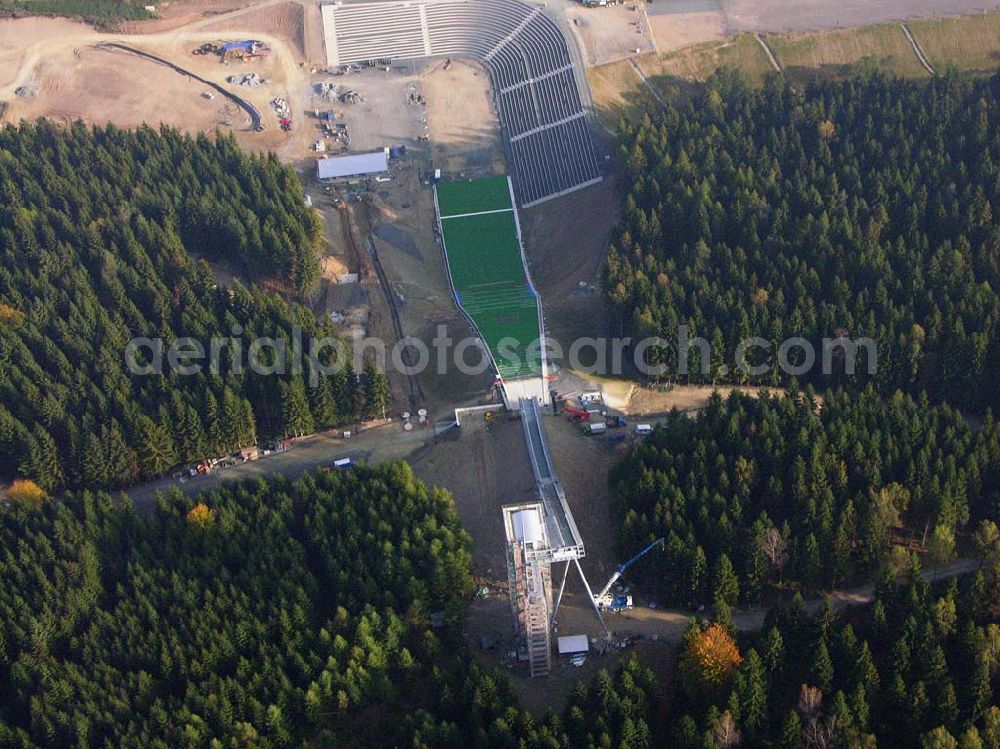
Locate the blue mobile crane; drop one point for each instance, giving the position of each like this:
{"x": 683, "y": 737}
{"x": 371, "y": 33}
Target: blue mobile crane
{"x": 621, "y": 602}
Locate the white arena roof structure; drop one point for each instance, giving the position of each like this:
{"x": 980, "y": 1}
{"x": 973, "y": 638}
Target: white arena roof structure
{"x": 536, "y": 90}
{"x": 355, "y": 165}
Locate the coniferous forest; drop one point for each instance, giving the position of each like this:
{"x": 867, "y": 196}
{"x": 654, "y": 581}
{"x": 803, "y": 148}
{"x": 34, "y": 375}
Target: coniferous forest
{"x": 264, "y": 614}
{"x": 862, "y": 208}
{"x": 329, "y": 611}
{"x": 755, "y": 492}
{"x": 917, "y": 668}
{"x": 98, "y": 231}
{"x": 289, "y": 614}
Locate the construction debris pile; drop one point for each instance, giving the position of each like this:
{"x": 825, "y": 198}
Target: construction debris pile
{"x": 252, "y": 80}
{"x": 280, "y": 107}
{"x": 414, "y": 97}
{"x": 333, "y": 92}
{"x": 333, "y": 129}
{"x": 234, "y": 51}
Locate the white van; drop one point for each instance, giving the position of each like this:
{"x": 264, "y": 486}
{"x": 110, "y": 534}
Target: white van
{"x": 643, "y": 429}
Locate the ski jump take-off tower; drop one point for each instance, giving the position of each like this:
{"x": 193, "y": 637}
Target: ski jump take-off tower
{"x": 540, "y": 534}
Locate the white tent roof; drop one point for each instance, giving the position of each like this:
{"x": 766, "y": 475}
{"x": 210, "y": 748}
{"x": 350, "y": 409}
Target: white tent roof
{"x": 352, "y": 166}
{"x": 528, "y": 526}
{"x": 573, "y": 644}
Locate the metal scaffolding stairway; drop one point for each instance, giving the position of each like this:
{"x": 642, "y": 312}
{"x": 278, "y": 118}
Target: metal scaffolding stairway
{"x": 530, "y": 581}
{"x": 537, "y": 624}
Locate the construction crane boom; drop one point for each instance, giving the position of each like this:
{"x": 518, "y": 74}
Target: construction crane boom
{"x": 621, "y": 569}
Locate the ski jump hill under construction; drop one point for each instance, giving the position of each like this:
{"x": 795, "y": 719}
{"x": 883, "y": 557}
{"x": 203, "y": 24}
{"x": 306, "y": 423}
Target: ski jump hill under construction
{"x": 535, "y": 84}
{"x": 539, "y": 534}
{"x": 488, "y": 274}
{"x": 489, "y": 277}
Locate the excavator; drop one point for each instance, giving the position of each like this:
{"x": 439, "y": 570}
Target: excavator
{"x": 576, "y": 414}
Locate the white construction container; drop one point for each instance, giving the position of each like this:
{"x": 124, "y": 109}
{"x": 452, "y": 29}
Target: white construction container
{"x": 573, "y": 644}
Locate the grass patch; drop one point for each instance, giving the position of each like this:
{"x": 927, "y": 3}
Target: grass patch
{"x": 618, "y": 92}
{"x": 473, "y": 196}
{"x": 838, "y": 53}
{"x": 487, "y": 270}
{"x": 971, "y": 43}
{"x": 697, "y": 63}
{"x": 486, "y": 250}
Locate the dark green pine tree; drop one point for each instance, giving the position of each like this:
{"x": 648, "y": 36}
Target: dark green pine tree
{"x": 94, "y": 468}
{"x": 753, "y": 694}
{"x": 774, "y": 656}
{"x": 190, "y": 435}
{"x": 980, "y": 690}
{"x": 697, "y": 577}
{"x": 864, "y": 672}
{"x": 791, "y": 731}
{"x": 14, "y": 442}
{"x": 233, "y": 429}
{"x": 296, "y": 417}
{"x": 860, "y": 708}
{"x": 215, "y": 436}
{"x": 725, "y": 584}
{"x": 375, "y": 386}
{"x": 156, "y": 448}
{"x": 345, "y": 391}
{"x": 122, "y": 463}
{"x": 43, "y": 465}
{"x": 248, "y": 424}
{"x": 323, "y": 403}
{"x": 821, "y": 669}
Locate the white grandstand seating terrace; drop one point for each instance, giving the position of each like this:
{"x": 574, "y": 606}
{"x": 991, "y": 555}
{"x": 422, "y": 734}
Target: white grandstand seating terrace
{"x": 541, "y": 113}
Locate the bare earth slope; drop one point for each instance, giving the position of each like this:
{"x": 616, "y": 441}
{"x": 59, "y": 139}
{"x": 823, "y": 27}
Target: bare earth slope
{"x": 807, "y": 15}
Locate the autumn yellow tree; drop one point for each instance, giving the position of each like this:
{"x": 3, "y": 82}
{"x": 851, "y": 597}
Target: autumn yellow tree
{"x": 709, "y": 662}
{"x": 27, "y": 491}
{"x": 201, "y": 516}
{"x": 10, "y": 316}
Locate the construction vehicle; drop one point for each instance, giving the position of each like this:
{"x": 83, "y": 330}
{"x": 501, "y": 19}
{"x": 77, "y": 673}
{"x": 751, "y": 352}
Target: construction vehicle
{"x": 598, "y": 428}
{"x": 616, "y": 421}
{"x": 286, "y": 124}
{"x": 621, "y": 601}
{"x": 576, "y": 414}
{"x": 243, "y": 50}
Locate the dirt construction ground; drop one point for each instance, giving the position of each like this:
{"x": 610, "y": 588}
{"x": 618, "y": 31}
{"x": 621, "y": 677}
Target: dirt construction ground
{"x": 608, "y": 34}
{"x": 565, "y": 240}
{"x": 680, "y": 23}
{"x": 71, "y": 78}
{"x": 806, "y": 15}
{"x": 676, "y": 24}
{"x": 487, "y": 467}
{"x": 461, "y": 123}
